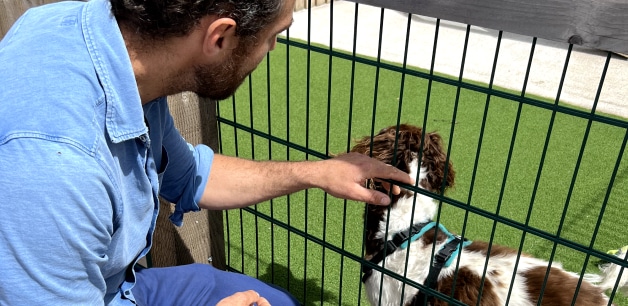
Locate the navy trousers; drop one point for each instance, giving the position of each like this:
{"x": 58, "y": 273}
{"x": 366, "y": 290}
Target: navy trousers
{"x": 199, "y": 284}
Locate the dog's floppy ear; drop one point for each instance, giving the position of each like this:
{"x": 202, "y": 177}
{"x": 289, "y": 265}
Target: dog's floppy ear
{"x": 362, "y": 146}
{"x": 381, "y": 147}
{"x": 439, "y": 170}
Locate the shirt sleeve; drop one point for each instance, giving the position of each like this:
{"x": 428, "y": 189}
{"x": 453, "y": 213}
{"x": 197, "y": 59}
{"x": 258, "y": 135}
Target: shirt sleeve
{"x": 194, "y": 184}
{"x": 187, "y": 171}
{"x": 56, "y": 224}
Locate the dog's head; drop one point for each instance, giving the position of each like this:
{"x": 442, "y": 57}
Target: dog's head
{"x": 402, "y": 147}
{"x": 399, "y": 146}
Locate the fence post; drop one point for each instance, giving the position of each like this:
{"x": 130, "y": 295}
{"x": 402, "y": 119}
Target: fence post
{"x": 202, "y": 234}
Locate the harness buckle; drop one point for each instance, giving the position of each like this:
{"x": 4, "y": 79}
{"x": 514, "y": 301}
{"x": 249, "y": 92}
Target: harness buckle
{"x": 391, "y": 247}
{"x": 449, "y": 248}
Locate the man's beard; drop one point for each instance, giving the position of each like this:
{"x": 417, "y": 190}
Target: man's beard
{"x": 219, "y": 82}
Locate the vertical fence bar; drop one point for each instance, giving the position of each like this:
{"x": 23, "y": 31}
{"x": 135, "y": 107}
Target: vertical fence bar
{"x": 241, "y": 211}
{"x": 424, "y": 128}
{"x": 401, "y": 96}
{"x": 327, "y": 133}
{"x": 608, "y": 190}
{"x": 251, "y": 115}
{"x": 270, "y": 157}
{"x": 307, "y": 138}
{"x": 450, "y": 145}
{"x": 225, "y": 213}
{"x": 529, "y": 214}
{"x": 288, "y": 149}
{"x": 547, "y": 139}
{"x": 377, "y": 71}
{"x": 615, "y": 170}
{"x": 499, "y": 202}
{"x": 351, "y": 101}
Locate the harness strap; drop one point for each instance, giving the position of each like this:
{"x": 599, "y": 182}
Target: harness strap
{"x": 443, "y": 258}
{"x": 399, "y": 240}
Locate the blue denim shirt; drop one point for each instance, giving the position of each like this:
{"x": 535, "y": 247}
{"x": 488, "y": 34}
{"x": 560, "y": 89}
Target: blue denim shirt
{"x": 81, "y": 160}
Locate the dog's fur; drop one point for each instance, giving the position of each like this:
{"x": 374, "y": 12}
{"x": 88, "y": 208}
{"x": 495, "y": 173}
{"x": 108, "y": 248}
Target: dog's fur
{"x": 401, "y": 147}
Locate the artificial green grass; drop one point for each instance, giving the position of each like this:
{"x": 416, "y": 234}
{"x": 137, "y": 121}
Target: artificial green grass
{"x": 325, "y": 120}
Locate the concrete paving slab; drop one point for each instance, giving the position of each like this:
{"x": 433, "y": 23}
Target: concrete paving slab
{"x": 581, "y": 82}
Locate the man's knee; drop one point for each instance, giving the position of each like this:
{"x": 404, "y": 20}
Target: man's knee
{"x": 200, "y": 272}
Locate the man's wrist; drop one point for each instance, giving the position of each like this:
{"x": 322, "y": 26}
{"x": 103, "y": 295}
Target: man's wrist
{"x": 308, "y": 174}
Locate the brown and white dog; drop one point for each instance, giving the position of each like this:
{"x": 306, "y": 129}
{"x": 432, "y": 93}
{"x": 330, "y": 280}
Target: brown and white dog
{"x": 401, "y": 147}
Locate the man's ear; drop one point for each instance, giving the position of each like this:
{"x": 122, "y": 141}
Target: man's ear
{"x": 220, "y": 36}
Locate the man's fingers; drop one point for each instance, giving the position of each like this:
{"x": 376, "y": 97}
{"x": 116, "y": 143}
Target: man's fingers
{"x": 374, "y": 168}
{"x": 395, "y": 189}
{"x": 253, "y": 298}
{"x": 374, "y": 197}
{"x": 356, "y": 168}
{"x": 387, "y": 171}
{"x": 263, "y": 302}
{"x": 397, "y": 175}
{"x": 244, "y": 298}
{"x": 248, "y": 296}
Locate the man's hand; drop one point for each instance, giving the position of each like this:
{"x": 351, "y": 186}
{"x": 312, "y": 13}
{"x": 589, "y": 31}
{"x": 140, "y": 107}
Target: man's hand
{"x": 245, "y": 298}
{"x": 345, "y": 175}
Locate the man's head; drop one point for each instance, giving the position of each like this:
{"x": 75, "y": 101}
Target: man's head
{"x": 163, "y": 19}
{"x": 231, "y": 37}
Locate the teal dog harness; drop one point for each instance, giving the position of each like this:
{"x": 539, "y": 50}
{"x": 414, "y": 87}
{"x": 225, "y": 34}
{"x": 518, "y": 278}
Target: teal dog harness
{"x": 443, "y": 258}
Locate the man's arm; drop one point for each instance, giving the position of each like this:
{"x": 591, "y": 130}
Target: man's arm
{"x": 236, "y": 182}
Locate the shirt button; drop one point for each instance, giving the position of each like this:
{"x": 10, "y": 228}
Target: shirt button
{"x": 142, "y": 138}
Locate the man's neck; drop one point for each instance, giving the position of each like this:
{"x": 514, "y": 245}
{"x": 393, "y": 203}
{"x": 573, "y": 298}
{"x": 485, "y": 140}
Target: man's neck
{"x": 157, "y": 65}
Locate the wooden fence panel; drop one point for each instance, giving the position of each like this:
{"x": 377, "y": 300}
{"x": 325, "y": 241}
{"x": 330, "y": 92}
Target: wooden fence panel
{"x": 302, "y": 4}
{"x": 591, "y": 23}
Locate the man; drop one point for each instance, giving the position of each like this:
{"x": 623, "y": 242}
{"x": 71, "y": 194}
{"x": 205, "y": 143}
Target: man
{"x": 87, "y": 144}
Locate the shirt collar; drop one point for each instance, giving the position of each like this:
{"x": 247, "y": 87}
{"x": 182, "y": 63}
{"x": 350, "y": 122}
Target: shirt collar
{"x": 124, "y": 114}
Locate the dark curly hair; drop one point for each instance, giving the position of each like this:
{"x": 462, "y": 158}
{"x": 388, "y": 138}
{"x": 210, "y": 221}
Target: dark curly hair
{"x": 161, "y": 19}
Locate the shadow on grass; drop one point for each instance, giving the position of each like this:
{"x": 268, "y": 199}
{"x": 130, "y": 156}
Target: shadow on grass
{"x": 307, "y": 291}
{"x": 581, "y": 222}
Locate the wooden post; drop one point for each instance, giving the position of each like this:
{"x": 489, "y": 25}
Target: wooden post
{"x": 11, "y": 10}
{"x": 202, "y": 235}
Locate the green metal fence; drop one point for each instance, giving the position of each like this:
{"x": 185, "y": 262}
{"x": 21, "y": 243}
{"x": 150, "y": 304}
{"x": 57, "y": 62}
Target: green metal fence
{"x": 534, "y": 172}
